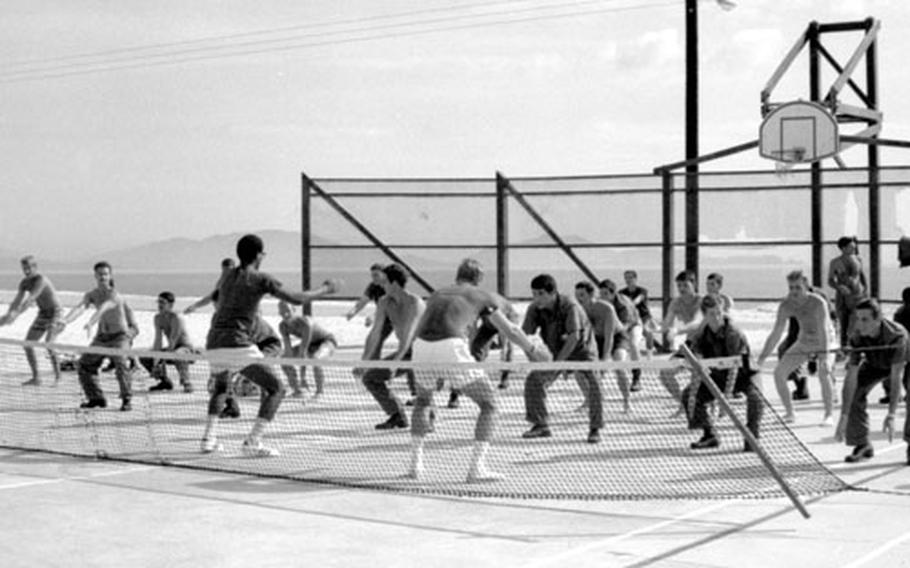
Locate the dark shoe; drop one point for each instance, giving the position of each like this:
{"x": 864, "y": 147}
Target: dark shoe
{"x": 538, "y": 431}
{"x": 94, "y": 403}
{"x": 594, "y": 436}
{"x": 504, "y": 380}
{"x": 705, "y": 442}
{"x": 801, "y": 392}
{"x": 410, "y": 402}
{"x": 162, "y": 386}
{"x": 395, "y": 421}
{"x": 636, "y": 385}
{"x": 884, "y": 400}
{"x": 860, "y": 454}
{"x": 126, "y": 406}
{"x": 231, "y": 409}
{"x": 188, "y": 388}
{"x": 453, "y": 400}
{"x": 747, "y": 448}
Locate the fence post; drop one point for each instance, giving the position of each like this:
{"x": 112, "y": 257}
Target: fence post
{"x": 502, "y": 236}
{"x": 667, "y": 239}
{"x": 305, "y": 240}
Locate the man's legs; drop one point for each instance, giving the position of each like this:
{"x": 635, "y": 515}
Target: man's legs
{"x": 377, "y": 382}
{"x": 88, "y": 366}
{"x": 788, "y": 363}
{"x": 483, "y": 393}
{"x": 220, "y": 390}
{"x": 34, "y": 333}
{"x": 857, "y": 434}
{"x": 622, "y": 378}
{"x": 535, "y": 395}
{"x": 825, "y": 377}
{"x": 271, "y": 394}
{"x": 698, "y": 416}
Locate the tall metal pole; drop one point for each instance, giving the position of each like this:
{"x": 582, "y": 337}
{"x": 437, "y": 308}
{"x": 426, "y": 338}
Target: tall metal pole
{"x": 692, "y": 222}
{"x": 306, "y": 260}
{"x": 816, "y": 209}
{"x": 502, "y": 235}
{"x": 875, "y": 263}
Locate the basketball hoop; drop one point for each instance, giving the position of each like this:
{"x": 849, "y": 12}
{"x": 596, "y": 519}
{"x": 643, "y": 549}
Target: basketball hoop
{"x": 783, "y": 170}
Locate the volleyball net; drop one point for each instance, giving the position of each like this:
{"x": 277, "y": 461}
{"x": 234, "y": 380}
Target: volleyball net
{"x": 644, "y": 453}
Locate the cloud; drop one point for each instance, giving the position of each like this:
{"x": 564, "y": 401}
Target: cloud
{"x": 652, "y": 50}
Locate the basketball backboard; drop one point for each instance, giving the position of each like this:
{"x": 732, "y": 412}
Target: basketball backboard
{"x": 798, "y": 132}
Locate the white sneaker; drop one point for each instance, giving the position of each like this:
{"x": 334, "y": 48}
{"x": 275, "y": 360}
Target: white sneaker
{"x": 414, "y": 472}
{"x": 255, "y": 449}
{"x": 211, "y": 445}
{"x": 789, "y": 418}
{"x": 827, "y": 421}
{"x": 484, "y": 476}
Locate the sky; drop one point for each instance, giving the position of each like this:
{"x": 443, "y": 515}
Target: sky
{"x": 128, "y": 122}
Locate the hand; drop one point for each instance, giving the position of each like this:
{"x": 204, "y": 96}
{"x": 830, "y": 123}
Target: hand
{"x": 841, "y": 430}
{"x": 888, "y": 427}
{"x": 332, "y": 285}
{"x": 188, "y": 310}
{"x": 539, "y": 353}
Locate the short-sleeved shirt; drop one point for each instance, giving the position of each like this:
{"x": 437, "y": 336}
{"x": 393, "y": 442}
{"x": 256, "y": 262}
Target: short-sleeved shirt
{"x": 889, "y": 348}
{"x": 46, "y": 301}
{"x": 172, "y": 327}
{"x": 239, "y": 293}
{"x": 644, "y": 311}
{"x": 116, "y": 320}
{"x": 565, "y": 317}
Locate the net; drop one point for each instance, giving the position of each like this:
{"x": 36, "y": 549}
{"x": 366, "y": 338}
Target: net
{"x": 644, "y": 454}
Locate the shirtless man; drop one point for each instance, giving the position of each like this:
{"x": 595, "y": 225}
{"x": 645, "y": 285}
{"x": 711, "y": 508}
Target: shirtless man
{"x": 170, "y": 326}
{"x": 233, "y": 333}
{"x": 714, "y": 287}
{"x": 441, "y": 338}
{"x": 816, "y": 337}
{"x": 631, "y": 323}
{"x": 403, "y": 308}
{"x": 609, "y": 334}
{"x": 38, "y": 289}
{"x": 316, "y": 342}
{"x": 846, "y": 276}
{"x": 683, "y": 314}
{"x": 116, "y": 330}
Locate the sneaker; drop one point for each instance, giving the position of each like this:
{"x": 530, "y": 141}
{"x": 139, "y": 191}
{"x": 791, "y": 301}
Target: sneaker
{"x": 883, "y": 400}
{"x": 484, "y": 476}
{"x": 32, "y": 383}
{"x": 126, "y": 406}
{"x": 162, "y": 386}
{"x": 395, "y": 421}
{"x": 538, "y": 431}
{"x": 705, "y": 442}
{"x": 860, "y": 453}
{"x": 188, "y": 388}
{"x": 94, "y": 403}
{"x": 210, "y": 445}
{"x": 594, "y": 436}
{"x": 636, "y": 381}
{"x": 453, "y": 400}
{"x": 747, "y": 448}
{"x": 255, "y": 449}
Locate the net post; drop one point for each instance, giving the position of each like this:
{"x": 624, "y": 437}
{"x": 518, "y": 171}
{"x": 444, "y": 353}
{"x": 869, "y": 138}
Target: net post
{"x": 700, "y": 372}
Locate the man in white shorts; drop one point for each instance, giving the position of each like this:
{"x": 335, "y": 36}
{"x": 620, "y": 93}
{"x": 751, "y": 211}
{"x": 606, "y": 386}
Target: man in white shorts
{"x": 441, "y": 337}
{"x": 816, "y": 337}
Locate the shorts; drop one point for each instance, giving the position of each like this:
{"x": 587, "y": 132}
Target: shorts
{"x": 45, "y": 322}
{"x": 449, "y": 350}
{"x": 315, "y": 346}
{"x": 248, "y": 352}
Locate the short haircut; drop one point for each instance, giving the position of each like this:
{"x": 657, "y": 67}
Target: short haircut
{"x": 844, "y": 241}
{"x": 708, "y": 302}
{"x": 631, "y": 273}
{"x": 870, "y": 304}
{"x": 607, "y": 284}
{"x": 396, "y": 274}
{"x": 227, "y": 263}
{"x": 376, "y": 266}
{"x": 586, "y": 286}
{"x": 544, "y": 282}
{"x": 102, "y": 264}
{"x": 798, "y": 276}
{"x": 248, "y": 248}
{"x": 469, "y": 270}
{"x": 686, "y": 276}
{"x": 167, "y": 297}
{"x": 717, "y": 277}
{"x": 28, "y": 259}
{"x": 905, "y": 295}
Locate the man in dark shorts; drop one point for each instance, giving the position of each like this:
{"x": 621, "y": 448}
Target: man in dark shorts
{"x": 403, "y": 309}
{"x": 567, "y": 333}
{"x": 232, "y": 334}
{"x": 719, "y": 337}
{"x": 441, "y": 337}
{"x": 36, "y": 288}
{"x": 879, "y": 350}
{"x": 116, "y": 330}
{"x": 316, "y": 342}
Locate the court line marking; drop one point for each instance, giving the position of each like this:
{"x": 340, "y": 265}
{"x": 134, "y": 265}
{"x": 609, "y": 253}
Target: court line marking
{"x": 878, "y": 551}
{"x": 51, "y": 481}
{"x": 627, "y": 535}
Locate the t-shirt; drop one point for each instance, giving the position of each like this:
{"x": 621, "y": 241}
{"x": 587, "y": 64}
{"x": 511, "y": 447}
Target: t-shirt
{"x": 239, "y": 293}
{"x": 564, "y": 318}
{"x": 892, "y": 337}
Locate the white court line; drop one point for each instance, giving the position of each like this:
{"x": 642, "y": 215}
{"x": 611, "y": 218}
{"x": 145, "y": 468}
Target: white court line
{"x": 76, "y": 478}
{"x": 878, "y": 551}
{"x": 621, "y": 537}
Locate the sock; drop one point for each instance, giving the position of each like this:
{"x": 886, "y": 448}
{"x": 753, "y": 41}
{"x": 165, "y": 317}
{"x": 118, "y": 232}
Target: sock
{"x": 417, "y": 453}
{"x": 478, "y": 460}
{"x": 210, "y": 427}
{"x": 258, "y": 428}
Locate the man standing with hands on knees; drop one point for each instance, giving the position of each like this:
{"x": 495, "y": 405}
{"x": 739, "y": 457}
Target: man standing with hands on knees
{"x": 878, "y": 351}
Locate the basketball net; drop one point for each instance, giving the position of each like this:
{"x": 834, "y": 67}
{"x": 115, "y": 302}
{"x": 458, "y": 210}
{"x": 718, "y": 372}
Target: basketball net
{"x": 783, "y": 169}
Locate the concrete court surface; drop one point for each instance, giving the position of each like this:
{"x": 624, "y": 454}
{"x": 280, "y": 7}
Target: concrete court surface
{"x": 62, "y": 511}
